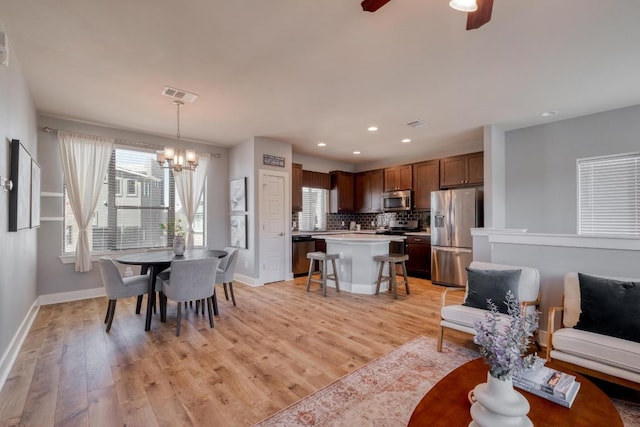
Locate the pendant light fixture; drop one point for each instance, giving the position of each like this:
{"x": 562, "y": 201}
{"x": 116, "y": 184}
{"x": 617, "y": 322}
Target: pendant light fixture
{"x": 177, "y": 158}
{"x": 464, "y": 5}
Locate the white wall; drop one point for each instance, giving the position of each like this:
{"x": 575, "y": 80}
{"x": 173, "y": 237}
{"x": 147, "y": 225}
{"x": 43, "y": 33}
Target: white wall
{"x": 541, "y": 177}
{"x": 18, "y": 250}
{"x": 318, "y": 164}
{"x": 54, "y": 276}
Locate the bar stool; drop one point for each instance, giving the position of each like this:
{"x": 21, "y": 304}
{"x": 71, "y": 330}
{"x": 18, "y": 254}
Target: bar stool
{"x": 322, "y": 258}
{"x": 392, "y": 259}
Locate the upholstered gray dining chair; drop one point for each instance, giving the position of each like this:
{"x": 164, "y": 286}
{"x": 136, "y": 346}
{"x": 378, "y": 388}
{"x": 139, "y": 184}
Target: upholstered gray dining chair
{"x": 190, "y": 280}
{"x": 117, "y": 287}
{"x": 226, "y": 270}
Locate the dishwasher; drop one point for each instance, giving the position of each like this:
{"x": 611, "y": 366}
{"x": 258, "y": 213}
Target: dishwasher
{"x": 301, "y": 245}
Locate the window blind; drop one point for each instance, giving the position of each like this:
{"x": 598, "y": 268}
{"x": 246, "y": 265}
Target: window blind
{"x": 314, "y": 209}
{"x": 137, "y": 196}
{"x": 609, "y": 195}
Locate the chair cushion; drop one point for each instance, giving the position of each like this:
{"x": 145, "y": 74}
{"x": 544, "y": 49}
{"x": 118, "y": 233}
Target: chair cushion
{"x": 466, "y": 316}
{"x": 490, "y": 284}
{"x": 604, "y": 349}
{"x": 609, "y": 307}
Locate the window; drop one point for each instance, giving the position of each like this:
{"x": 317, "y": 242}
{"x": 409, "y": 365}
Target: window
{"x": 609, "y": 195}
{"x": 123, "y": 221}
{"x": 314, "y": 209}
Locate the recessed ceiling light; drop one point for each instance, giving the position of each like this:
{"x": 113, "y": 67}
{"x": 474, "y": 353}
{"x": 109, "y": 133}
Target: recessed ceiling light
{"x": 356, "y": 152}
{"x": 372, "y": 128}
{"x": 549, "y": 113}
{"x": 321, "y": 144}
{"x": 406, "y": 140}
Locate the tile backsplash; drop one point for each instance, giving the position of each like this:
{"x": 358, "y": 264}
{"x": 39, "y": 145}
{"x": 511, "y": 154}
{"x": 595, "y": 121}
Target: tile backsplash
{"x": 371, "y": 221}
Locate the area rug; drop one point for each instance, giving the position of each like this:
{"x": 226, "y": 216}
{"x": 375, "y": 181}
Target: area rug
{"x": 385, "y": 392}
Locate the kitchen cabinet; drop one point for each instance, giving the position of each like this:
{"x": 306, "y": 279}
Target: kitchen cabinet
{"x": 462, "y": 171}
{"x": 426, "y": 178}
{"x": 419, "y": 251}
{"x": 296, "y": 187}
{"x": 398, "y": 178}
{"x": 368, "y": 191}
{"x": 342, "y": 192}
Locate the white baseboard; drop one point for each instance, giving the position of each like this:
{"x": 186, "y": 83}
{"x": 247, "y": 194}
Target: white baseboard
{"x": 71, "y": 296}
{"x": 9, "y": 356}
{"x": 247, "y": 280}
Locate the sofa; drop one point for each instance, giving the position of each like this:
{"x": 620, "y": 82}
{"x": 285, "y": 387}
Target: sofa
{"x": 599, "y": 328}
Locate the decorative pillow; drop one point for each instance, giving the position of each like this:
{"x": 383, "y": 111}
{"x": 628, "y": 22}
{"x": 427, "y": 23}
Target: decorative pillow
{"x": 490, "y": 284}
{"x": 609, "y": 307}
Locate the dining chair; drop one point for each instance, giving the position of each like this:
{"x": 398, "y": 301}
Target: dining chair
{"x": 117, "y": 287}
{"x": 226, "y": 270}
{"x": 190, "y": 280}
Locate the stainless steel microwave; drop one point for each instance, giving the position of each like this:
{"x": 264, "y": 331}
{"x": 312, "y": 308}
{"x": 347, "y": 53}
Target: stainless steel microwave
{"x": 396, "y": 201}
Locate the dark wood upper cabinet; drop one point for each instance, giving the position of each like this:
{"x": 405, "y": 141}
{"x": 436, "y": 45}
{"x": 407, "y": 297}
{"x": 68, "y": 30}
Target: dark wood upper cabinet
{"x": 296, "y": 187}
{"x": 462, "y": 171}
{"x": 398, "y": 178}
{"x": 342, "y": 192}
{"x": 368, "y": 191}
{"x": 426, "y": 178}
{"x": 316, "y": 180}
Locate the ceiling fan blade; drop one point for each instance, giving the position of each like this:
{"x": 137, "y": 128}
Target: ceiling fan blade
{"x": 373, "y": 5}
{"x": 481, "y": 16}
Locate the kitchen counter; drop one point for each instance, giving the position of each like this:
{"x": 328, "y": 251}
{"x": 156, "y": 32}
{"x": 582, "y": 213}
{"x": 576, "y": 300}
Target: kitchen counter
{"x": 327, "y": 232}
{"x": 357, "y": 270}
{"x": 418, "y": 233}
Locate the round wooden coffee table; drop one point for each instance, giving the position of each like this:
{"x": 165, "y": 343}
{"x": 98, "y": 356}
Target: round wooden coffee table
{"x": 447, "y": 404}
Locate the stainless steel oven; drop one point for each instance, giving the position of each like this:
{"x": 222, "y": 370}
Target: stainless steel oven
{"x": 396, "y": 201}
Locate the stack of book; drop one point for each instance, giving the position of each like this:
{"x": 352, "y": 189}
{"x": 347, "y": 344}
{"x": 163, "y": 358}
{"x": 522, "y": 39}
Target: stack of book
{"x": 556, "y": 386}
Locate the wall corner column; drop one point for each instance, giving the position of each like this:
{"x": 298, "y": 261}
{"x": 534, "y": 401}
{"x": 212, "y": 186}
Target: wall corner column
{"x": 494, "y": 177}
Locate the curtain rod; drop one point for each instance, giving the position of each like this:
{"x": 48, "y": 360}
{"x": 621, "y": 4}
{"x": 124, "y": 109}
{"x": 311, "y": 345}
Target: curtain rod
{"x": 47, "y": 129}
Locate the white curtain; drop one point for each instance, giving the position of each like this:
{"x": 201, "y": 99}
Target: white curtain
{"x": 84, "y": 163}
{"x": 190, "y": 185}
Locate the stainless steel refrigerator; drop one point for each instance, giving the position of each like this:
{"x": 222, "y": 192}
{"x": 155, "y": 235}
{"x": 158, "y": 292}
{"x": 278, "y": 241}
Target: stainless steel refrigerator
{"x": 453, "y": 214}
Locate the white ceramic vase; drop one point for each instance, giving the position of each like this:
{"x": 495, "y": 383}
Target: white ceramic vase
{"x": 178, "y": 245}
{"x": 499, "y": 405}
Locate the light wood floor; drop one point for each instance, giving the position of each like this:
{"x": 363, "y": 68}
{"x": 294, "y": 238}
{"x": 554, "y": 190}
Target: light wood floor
{"x": 278, "y": 345}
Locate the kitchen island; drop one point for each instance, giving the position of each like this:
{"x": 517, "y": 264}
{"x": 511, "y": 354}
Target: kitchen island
{"x": 357, "y": 271}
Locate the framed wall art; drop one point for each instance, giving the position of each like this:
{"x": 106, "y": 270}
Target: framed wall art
{"x": 239, "y": 231}
{"x": 238, "y": 195}
{"x": 20, "y": 195}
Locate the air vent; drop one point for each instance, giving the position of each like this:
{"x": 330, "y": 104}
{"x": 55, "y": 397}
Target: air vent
{"x": 179, "y": 94}
{"x": 417, "y": 124}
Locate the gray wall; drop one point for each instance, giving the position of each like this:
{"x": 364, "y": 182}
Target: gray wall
{"x": 18, "y": 250}
{"x": 541, "y": 177}
{"x": 53, "y": 275}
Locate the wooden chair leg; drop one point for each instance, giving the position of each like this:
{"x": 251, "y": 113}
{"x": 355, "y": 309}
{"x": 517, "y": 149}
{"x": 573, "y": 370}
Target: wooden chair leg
{"x": 392, "y": 279}
{"x": 112, "y": 312}
{"x": 163, "y": 307}
{"x": 309, "y": 275}
{"x": 440, "y": 335}
{"x": 379, "y": 277}
{"x": 226, "y": 295}
{"x": 202, "y": 303}
{"x": 179, "y": 319}
{"x": 198, "y": 307}
{"x": 106, "y": 316}
{"x": 335, "y": 275}
{"x": 138, "y": 304}
{"x": 406, "y": 278}
{"x": 215, "y": 301}
{"x": 233, "y": 298}
{"x": 324, "y": 278}
{"x": 210, "y": 310}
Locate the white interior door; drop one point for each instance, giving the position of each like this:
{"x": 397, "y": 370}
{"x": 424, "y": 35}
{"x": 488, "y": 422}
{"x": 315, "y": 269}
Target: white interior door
{"x": 273, "y": 235}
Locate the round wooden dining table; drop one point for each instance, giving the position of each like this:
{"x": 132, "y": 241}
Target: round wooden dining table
{"x": 157, "y": 261}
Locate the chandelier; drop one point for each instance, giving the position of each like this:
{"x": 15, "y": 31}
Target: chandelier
{"x": 177, "y": 159}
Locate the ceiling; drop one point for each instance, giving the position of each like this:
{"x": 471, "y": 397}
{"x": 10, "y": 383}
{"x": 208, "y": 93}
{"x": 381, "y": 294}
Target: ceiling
{"x": 310, "y": 71}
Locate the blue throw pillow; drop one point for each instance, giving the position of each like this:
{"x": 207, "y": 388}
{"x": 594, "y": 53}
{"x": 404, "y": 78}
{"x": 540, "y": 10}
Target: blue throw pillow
{"x": 491, "y": 284}
{"x": 609, "y": 307}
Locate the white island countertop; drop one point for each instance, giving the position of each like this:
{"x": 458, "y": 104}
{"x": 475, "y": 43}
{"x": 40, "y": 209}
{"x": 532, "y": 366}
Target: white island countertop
{"x": 359, "y": 238}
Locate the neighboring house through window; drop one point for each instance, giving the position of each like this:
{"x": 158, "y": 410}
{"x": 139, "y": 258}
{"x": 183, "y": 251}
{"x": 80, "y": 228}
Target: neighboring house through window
{"x": 132, "y": 220}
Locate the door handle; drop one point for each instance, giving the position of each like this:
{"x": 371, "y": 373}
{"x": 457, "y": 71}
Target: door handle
{"x": 280, "y": 234}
